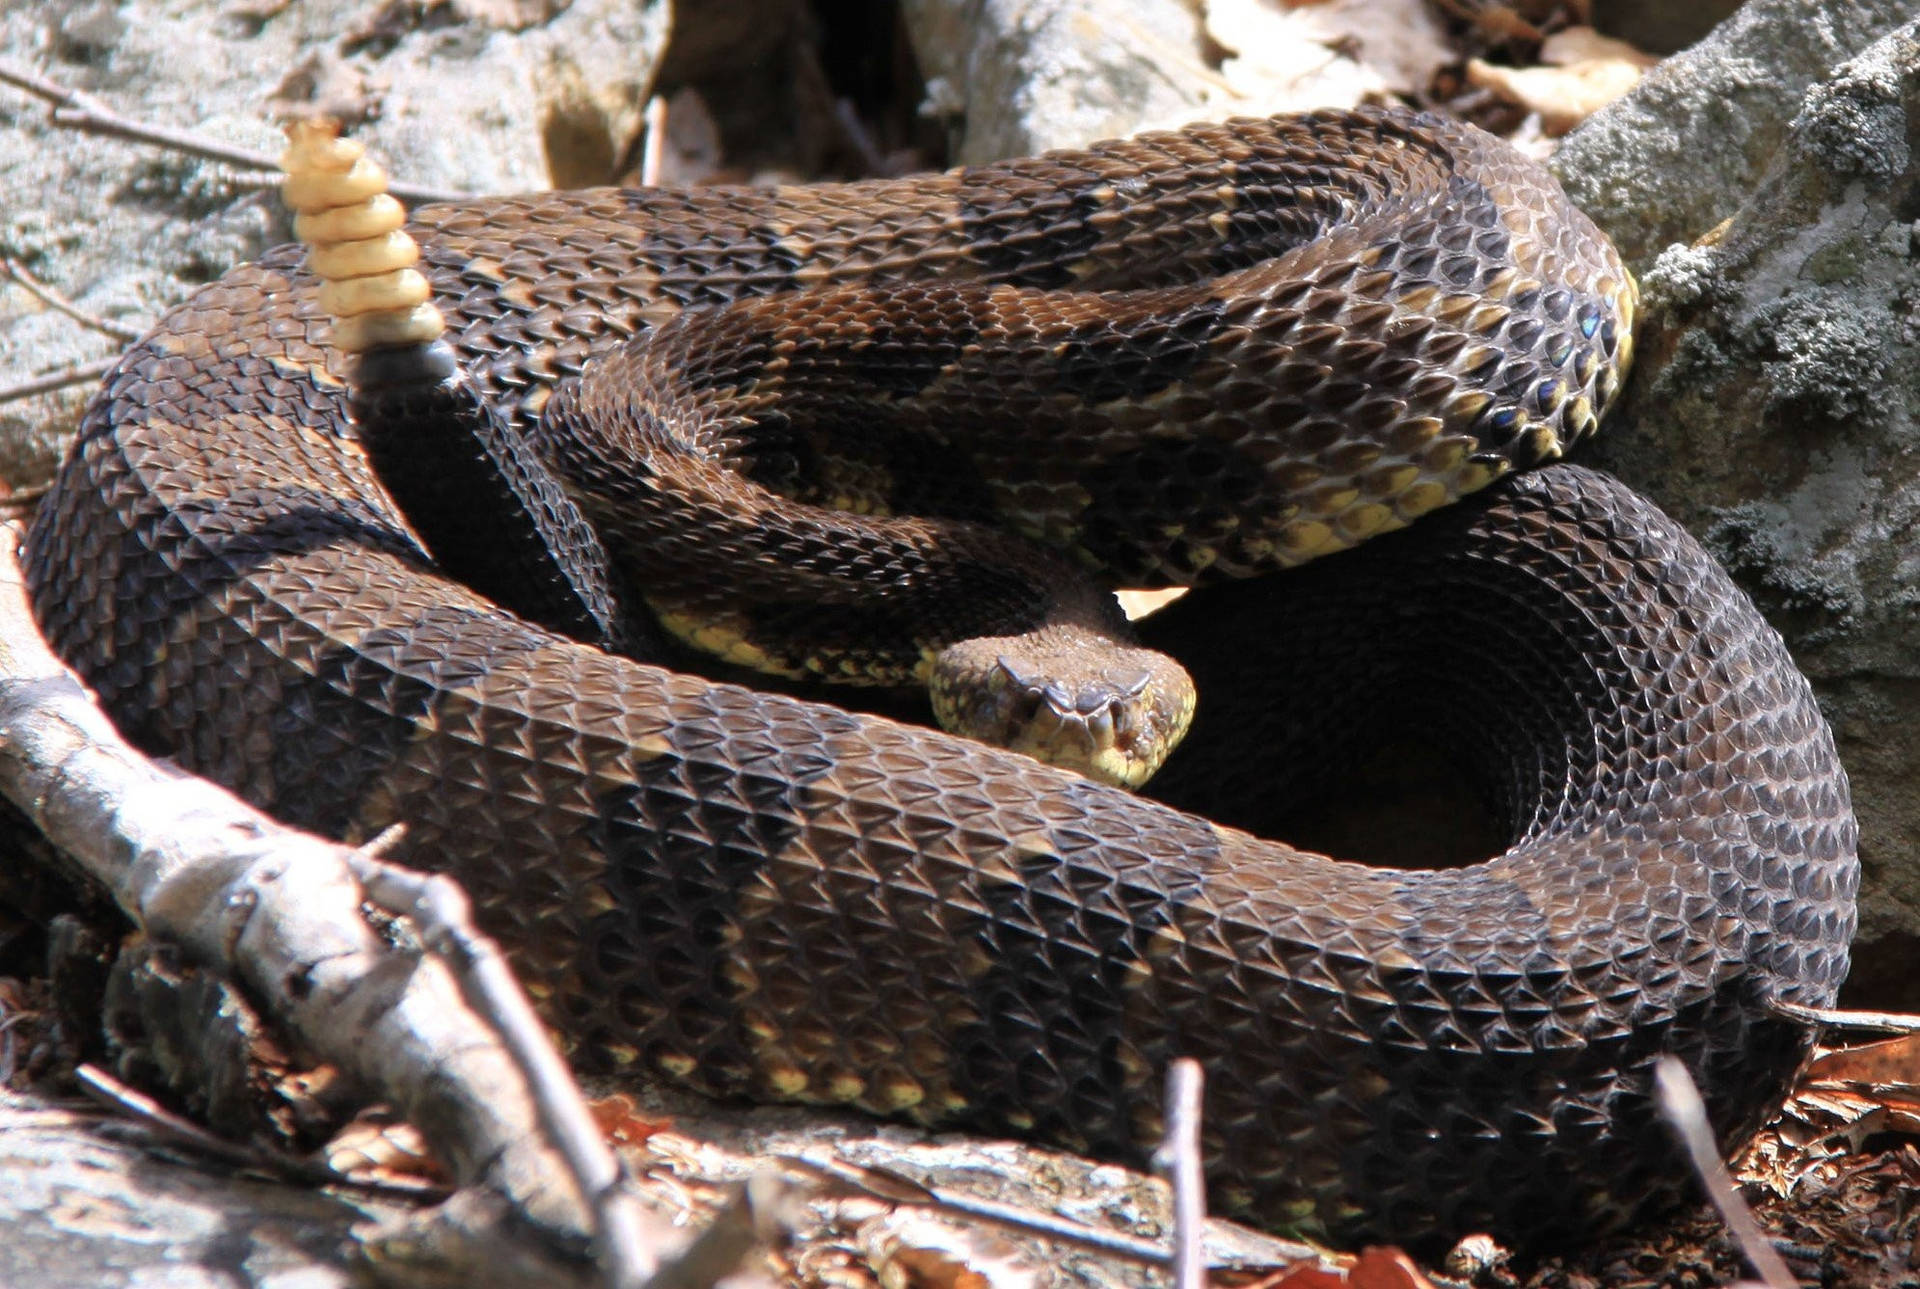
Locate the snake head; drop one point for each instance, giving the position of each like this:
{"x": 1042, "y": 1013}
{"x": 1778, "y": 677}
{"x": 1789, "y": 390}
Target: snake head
{"x": 1069, "y": 697}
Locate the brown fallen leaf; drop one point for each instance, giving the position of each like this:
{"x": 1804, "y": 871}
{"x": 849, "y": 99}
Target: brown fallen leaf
{"x": 1847, "y": 1097}
{"x": 621, "y": 1122}
{"x": 1582, "y": 72}
{"x": 1138, "y": 604}
{"x": 1496, "y": 23}
{"x": 1888, "y": 1064}
{"x": 914, "y": 1251}
{"x": 375, "y": 1148}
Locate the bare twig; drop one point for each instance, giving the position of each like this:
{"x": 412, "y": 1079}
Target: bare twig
{"x": 110, "y": 1092}
{"x": 54, "y": 300}
{"x": 654, "y": 143}
{"x": 888, "y": 1187}
{"x": 439, "y": 909}
{"x": 894, "y": 1189}
{"x": 854, "y": 130}
{"x": 79, "y": 374}
{"x": 1680, "y": 1102}
{"x": 1179, "y": 1159}
{"x": 277, "y": 909}
{"x": 117, "y": 1096}
{"x": 73, "y": 110}
{"x": 9, "y": 1021}
{"x": 1859, "y": 1022}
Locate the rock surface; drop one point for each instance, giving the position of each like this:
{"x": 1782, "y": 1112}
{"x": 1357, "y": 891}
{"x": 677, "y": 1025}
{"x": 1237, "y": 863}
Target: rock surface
{"x": 1020, "y": 75}
{"x": 81, "y": 1207}
{"x": 1024, "y": 77}
{"x": 505, "y": 97}
{"x": 1682, "y": 151}
{"x": 1773, "y": 412}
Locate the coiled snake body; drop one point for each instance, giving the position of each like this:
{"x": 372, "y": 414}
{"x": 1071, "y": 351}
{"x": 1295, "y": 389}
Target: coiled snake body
{"x": 764, "y": 897}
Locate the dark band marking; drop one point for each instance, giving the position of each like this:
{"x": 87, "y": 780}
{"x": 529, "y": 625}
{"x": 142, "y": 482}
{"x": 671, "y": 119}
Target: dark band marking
{"x": 702, "y": 819}
{"x": 1105, "y": 360}
{"x": 1032, "y": 238}
{"x": 344, "y": 727}
{"x": 1200, "y": 485}
{"x": 1067, "y": 942}
{"x": 236, "y": 535}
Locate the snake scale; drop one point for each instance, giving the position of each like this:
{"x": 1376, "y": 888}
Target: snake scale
{"x": 764, "y": 897}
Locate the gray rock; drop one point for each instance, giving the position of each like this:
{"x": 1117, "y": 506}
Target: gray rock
{"x": 1681, "y": 152}
{"x": 82, "y": 1207}
{"x": 505, "y": 98}
{"x": 1773, "y": 411}
{"x": 1029, "y": 77}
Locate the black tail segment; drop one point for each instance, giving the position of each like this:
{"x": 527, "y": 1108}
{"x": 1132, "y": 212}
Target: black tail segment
{"x": 488, "y": 510}
{"x": 473, "y": 490}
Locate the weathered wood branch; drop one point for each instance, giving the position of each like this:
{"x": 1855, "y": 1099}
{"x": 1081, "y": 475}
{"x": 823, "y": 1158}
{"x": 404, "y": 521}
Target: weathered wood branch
{"x": 280, "y": 912}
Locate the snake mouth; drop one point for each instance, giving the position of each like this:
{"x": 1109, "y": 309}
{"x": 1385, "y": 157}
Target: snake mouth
{"x": 1113, "y": 713}
{"x": 1101, "y": 726}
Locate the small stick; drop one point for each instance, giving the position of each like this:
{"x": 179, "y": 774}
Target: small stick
{"x": 653, "y": 145}
{"x": 279, "y": 911}
{"x": 440, "y": 910}
{"x": 73, "y": 110}
{"x": 1859, "y": 1022}
{"x": 1179, "y": 1159}
{"x": 76, "y": 375}
{"x": 54, "y": 300}
{"x": 8, "y": 1022}
{"x": 899, "y": 1190}
{"x": 855, "y": 131}
{"x": 115, "y": 1095}
{"x": 1680, "y": 1102}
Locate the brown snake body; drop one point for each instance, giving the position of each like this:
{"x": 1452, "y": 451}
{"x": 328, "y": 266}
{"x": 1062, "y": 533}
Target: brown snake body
{"x": 758, "y": 896}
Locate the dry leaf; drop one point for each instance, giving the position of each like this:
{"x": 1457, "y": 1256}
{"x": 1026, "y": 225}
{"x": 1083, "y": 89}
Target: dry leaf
{"x": 619, "y": 1119}
{"x": 1499, "y": 23}
{"x": 1891, "y": 1063}
{"x": 376, "y": 1148}
{"x": 1585, "y": 71}
{"x": 914, "y": 1251}
{"x": 1138, "y": 604}
{"x": 1336, "y": 53}
{"x": 1376, "y": 1268}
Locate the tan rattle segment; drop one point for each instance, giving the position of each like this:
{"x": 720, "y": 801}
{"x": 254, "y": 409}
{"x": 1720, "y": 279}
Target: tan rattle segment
{"x": 355, "y": 241}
